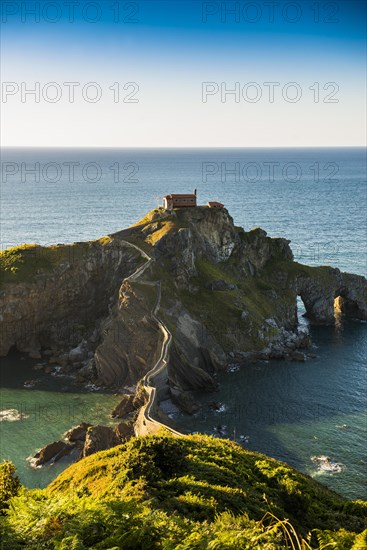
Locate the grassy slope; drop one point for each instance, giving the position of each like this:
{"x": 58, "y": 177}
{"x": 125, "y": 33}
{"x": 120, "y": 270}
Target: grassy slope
{"x": 221, "y": 311}
{"x": 191, "y": 492}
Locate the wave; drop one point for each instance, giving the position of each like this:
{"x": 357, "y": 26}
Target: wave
{"x": 233, "y": 368}
{"x": 325, "y": 464}
{"x": 11, "y": 415}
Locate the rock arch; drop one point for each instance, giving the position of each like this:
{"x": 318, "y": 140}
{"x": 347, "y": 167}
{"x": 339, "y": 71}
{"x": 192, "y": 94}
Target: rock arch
{"x": 323, "y": 290}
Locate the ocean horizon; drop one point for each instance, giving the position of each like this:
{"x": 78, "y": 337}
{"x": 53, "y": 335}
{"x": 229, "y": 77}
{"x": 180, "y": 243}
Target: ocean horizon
{"x": 70, "y": 194}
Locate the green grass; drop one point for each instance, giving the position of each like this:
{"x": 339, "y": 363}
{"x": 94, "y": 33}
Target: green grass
{"x": 163, "y": 229}
{"x": 22, "y": 263}
{"x": 151, "y": 216}
{"x": 180, "y": 493}
{"x": 294, "y": 269}
{"x": 221, "y": 310}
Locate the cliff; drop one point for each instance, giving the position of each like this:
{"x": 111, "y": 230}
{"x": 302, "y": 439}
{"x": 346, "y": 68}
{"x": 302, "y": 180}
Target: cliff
{"x": 224, "y": 293}
{"x": 52, "y": 297}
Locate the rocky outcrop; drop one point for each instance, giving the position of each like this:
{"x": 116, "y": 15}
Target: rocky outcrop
{"x": 131, "y": 339}
{"x": 201, "y": 233}
{"x": 56, "y": 306}
{"x": 52, "y": 452}
{"x": 77, "y": 433}
{"x": 126, "y": 406}
{"x": 124, "y": 431}
{"x": 256, "y": 251}
{"x": 185, "y": 401}
{"x": 85, "y": 440}
{"x": 187, "y": 376}
{"x": 99, "y": 438}
{"x": 322, "y": 286}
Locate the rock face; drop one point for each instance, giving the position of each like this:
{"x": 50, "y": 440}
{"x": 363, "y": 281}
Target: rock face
{"x": 131, "y": 339}
{"x": 99, "y": 438}
{"x": 319, "y": 294}
{"x": 195, "y": 355}
{"x": 56, "y": 306}
{"x": 54, "y": 451}
{"x": 185, "y": 401}
{"x": 78, "y": 433}
{"x": 126, "y": 406}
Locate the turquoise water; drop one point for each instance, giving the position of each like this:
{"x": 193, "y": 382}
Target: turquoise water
{"x": 314, "y": 197}
{"x": 53, "y": 406}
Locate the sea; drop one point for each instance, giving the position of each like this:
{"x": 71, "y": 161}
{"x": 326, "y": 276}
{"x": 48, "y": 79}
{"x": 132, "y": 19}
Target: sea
{"x": 311, "y": 415}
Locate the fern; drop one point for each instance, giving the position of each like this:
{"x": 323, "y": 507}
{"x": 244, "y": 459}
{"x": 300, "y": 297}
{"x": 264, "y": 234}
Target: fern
{"x": 360, "y": 542}
{"x": 187, "y": 493}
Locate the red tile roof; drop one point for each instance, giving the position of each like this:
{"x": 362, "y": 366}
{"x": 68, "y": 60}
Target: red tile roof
{"x": 173, "y": 196}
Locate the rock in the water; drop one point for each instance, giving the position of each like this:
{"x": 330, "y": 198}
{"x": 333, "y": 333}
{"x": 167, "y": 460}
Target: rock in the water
{"x": 185, "y": 401}
{"x": 125, "y": 406}
{"x": 34, "y": 354}
{"x": 298, "y": 356}
{"x": 276, "y": 354}
{"x": 86, "y": 373}
{"x": 78, "y": 354}
{"x": 54, "y": 451}
{"x": 99, "y": 438}
{"x": 77, "y": 433}
{"x": 11, "y": 415}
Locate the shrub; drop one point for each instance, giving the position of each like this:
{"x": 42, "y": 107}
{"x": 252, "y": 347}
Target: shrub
{"x": 9, "y": 484}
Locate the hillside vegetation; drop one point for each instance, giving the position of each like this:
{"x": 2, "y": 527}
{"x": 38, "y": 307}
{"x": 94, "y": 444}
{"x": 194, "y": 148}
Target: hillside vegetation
{"x": 161, "y": 492}
{"x": 21, "y": 263}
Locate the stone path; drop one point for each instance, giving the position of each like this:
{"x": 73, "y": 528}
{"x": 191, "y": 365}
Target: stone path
{"x": 147, "y": 422}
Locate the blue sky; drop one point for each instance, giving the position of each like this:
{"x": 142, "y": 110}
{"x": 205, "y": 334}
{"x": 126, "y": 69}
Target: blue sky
{"x": 169, "y": 49}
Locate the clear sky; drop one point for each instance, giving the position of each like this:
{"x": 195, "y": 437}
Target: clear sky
{"x": 159, "y": 74}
